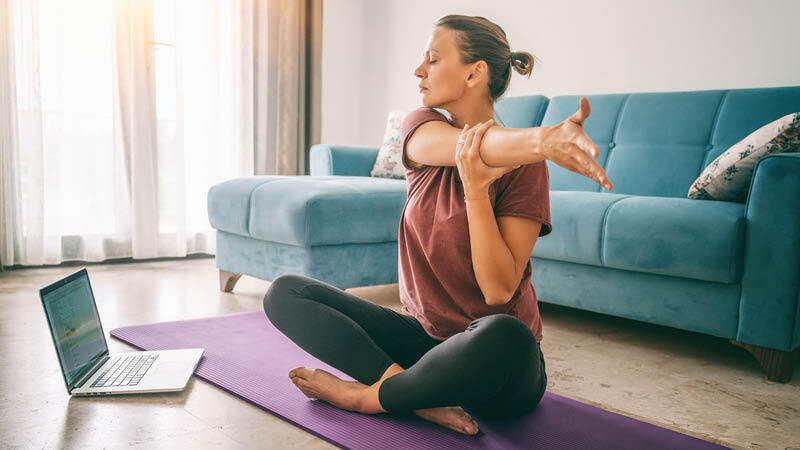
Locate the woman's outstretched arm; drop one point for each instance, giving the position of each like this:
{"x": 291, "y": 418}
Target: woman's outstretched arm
{"x": 434, "y": 143}
{"x": 503, "y": 147}
{"x": 565, "y": 144}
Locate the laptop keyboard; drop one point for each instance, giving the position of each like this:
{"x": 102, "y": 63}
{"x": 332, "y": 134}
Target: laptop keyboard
{"x": 125, "y": 371}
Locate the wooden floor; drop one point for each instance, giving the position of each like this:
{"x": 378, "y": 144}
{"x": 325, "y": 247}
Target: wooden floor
{"x": 693, "y": 383}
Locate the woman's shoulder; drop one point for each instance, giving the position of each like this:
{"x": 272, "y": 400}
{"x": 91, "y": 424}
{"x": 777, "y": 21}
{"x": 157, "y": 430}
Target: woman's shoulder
{"x": 429, "y": 109}
{"x": 423, "y": 113}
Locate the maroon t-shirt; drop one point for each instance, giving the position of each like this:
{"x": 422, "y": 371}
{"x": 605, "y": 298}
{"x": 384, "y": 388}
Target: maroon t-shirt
{"x": 437, "y": 281}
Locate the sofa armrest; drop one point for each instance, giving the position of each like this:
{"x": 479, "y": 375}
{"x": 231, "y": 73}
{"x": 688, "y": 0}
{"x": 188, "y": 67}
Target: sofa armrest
{"x": 342, "y": 160}
{"x": 768, "y": 308}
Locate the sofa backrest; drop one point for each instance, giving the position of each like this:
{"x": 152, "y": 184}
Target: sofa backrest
{"x": 657, "y": 143}
{"x": 524, "y": 111}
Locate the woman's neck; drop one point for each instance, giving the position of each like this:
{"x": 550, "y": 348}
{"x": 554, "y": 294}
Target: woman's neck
{"x": 470, "y": 114}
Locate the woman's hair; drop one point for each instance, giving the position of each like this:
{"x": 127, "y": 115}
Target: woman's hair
{"x": 477, "y": 38}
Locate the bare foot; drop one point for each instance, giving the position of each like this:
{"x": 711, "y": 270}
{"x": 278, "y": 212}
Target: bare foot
{"x": 453, "y": 417}
{"x": 323, "y": 385}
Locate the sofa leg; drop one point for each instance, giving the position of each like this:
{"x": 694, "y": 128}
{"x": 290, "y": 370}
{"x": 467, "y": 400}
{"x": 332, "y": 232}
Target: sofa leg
{"x": 227, "y": 280}
{"x": 777, "y": 364}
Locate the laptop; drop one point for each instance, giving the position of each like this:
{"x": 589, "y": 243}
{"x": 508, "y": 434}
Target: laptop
{"x": 82, "y": 351}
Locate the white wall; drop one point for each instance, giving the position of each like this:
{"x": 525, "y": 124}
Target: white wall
{"x": 585, "y": 47}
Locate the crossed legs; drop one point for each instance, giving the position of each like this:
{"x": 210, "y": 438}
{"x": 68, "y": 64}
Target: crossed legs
{"x": 494, "y": 367}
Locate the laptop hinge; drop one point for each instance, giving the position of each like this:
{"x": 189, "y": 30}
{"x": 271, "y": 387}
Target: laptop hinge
{"x": 98, "y": 364}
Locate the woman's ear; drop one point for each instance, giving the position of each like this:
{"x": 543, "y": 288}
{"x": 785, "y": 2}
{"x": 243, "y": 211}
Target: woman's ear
{"x": 477, "y": 72}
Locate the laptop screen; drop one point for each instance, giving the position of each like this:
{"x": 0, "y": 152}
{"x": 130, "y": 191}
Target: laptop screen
{"x": 74, "y": 323}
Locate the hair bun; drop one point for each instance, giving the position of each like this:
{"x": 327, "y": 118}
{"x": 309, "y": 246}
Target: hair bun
{"x": 522, "y": 62}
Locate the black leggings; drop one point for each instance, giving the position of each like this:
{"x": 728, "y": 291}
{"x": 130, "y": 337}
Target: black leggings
{"x": 494, "y": 368}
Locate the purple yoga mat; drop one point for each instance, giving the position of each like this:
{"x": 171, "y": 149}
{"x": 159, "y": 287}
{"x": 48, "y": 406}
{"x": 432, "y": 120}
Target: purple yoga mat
{"x": 248, "y": 357}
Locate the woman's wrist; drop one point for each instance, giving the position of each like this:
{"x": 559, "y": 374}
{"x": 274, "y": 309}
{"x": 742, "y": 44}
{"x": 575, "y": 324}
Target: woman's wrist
{"x": 476, "y": 193}
{"x": 538, "y": 141}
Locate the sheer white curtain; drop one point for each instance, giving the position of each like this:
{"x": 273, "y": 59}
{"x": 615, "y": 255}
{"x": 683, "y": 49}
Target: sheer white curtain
{"x": 125, "y": 113}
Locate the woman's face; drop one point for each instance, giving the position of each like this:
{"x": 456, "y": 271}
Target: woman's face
{"x": 442, "y": 75}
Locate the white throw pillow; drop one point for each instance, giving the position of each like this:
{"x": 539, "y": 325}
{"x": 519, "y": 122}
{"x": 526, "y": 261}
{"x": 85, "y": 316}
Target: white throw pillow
{"x": 727, "y": 178}
{"x": 388, "y": 163}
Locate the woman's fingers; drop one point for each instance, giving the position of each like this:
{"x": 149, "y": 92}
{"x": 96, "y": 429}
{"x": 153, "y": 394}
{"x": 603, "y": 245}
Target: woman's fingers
{"x": 570, "y": 147}
{"x": 468, "y": 143}
{"x": 582, "y": 164}
{"x": 589, "y": 146}
{"x": 591, "y": 167}
{"x": 588, "y": 167}
{"x": 585, "y": 143}
{"x": 477, "y": 138}
{"x": 596, "y": 172}
{"x": 468, "y": 140}
{"x": 461, "y": 139}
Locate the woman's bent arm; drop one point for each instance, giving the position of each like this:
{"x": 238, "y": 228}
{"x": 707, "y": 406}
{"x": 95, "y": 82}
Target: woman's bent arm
{"x": 492, "y": 260}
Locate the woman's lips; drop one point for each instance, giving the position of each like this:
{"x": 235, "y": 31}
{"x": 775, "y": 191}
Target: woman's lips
{"x": 422, "y": 89}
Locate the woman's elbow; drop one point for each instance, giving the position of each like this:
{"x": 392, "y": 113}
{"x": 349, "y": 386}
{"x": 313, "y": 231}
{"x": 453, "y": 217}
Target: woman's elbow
{"x": 497, "y": 299}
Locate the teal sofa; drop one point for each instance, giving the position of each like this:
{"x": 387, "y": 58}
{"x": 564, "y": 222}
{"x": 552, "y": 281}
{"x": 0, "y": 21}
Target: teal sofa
{"x": 643, "y": 251}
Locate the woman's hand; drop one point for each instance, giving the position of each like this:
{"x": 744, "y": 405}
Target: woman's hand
{"x": 567, "y": 145}
{"x": 474, "y": 173}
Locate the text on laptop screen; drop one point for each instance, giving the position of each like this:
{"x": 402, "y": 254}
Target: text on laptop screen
{"x": 76, "y": 326}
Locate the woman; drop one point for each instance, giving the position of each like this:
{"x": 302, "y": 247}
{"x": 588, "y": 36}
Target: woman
{"x": 478, "y": 197}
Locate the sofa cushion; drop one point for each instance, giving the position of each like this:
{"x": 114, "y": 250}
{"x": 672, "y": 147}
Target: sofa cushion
{"x": 663, "y": 235}
{"x": 305, "y": 210}
{"x": 578, "y": 217}
{"x": 228, "y": 203}
{"x": 330, "y": 210}
{"x": 728, "y": 177}
{"x": 703, "y": 240}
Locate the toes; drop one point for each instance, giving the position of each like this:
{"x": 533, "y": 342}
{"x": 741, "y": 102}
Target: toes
{"x": 468, "y": 421}
{"x": 299, "y": 372}
{"x": 470, "y": 429}
{"x": 472, "y": 422}
{"x": 468, "y": 418}
{"x": 303, "y": 372}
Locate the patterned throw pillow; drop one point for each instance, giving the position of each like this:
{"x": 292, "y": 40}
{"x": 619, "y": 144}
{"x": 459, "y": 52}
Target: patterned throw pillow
{"x": 388, "y": 163}
{"x": 728, "y": 177}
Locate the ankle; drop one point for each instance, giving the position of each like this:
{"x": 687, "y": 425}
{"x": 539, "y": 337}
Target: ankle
{"x": 392, "y": 370}
{"x": 369, "y": 402}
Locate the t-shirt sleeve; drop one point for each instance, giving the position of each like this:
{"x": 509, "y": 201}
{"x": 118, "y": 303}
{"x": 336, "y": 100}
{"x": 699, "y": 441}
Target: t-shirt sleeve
{"x": 526, "y": 193}
{"x": 410, "y": 123}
